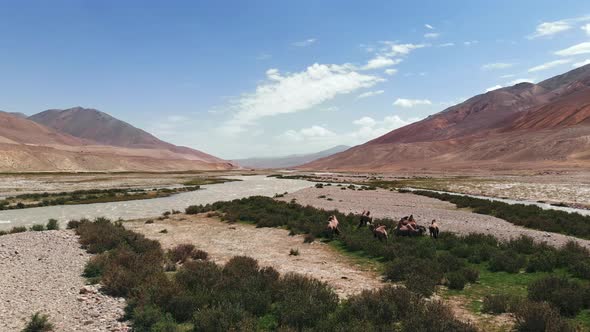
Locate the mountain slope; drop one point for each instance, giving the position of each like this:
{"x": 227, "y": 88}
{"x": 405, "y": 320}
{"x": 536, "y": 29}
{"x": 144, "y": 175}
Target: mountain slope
{"x": 27, "y": 146}
{"x": 523, "y": 126}
{"x": 100, "y": 127}
{"x": 289, "y": 161}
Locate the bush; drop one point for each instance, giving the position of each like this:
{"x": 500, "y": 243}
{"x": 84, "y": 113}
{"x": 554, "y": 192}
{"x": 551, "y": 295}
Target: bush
{"x": 95, "y": 267}
{"x": 181, "y": 252}
{"x": 319, "y": 185}
{"x": 199, "y": 255}
{"x": 308, "y": 238}
{"x": 535, "y": 316}
{"x": 52, "y": 224}
{"x": 164, "y": 231}
{"x": 456, "y": 280}
{"x": 18, "y": 229}
{"x": 294, "y": 252}
{"x": 38, "y": 323}
{"x": 499, "y": 303}
{"x": 566, "y": 295}
{"x": 303, "y": 301}
{"x": 508, "y": 262}
{"x": 37, "y": 228}
{"x": 471, "y": 275}
{"x": 544, "y": 261}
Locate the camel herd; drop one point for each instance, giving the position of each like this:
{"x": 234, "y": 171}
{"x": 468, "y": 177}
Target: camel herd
{"x": 407, "y": 226}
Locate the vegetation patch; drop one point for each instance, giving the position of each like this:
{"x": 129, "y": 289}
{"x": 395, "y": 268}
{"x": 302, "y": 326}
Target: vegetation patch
{"x": 241, "y": 296}
{"x": 529, "y": 216}
{"x": 474, "y": 266}
{"x": 88, "y": 197}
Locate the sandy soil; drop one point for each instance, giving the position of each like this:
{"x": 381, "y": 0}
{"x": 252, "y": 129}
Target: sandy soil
{"x": 41, "y": 271}
{"x": 388, "y": 204}
{"x": 270, "y": 246}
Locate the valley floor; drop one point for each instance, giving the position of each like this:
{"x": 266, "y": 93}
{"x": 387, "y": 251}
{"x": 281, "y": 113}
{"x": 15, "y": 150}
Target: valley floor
{"x": 269, "y": 246}
{"x": 41, "y": 272}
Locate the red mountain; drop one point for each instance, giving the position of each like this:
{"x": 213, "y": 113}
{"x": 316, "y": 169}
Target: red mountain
{"x": 542, "y": 125}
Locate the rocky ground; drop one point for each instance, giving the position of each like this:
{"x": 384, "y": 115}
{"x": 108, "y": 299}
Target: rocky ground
{"x": 270, "y": 246}
{"x": 389, "y": 204}
{"x": 41, "y": 271}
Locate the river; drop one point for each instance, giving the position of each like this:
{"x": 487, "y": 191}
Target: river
{"x": 249, "y": 186}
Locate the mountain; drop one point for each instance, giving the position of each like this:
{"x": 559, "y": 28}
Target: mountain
{"x": 102, "y": 128}
{"x": 288, "y": 161}
{"x": 525, "y": 126}
{"x": 26, "y": 145}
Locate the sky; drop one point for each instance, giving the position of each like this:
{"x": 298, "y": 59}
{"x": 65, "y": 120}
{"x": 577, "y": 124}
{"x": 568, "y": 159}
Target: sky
{"x": 252, "y": 78}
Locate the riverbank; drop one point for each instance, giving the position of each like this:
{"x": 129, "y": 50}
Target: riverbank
{"x": 41, "y": 271}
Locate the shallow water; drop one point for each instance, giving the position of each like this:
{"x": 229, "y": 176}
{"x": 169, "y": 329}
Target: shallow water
{"x": 249, "y": 186}
{"x": 543, "y": 206}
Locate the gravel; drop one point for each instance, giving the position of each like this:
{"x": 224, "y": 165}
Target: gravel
{"x": 41, "y": 271}
{"x": 389, "y": 204}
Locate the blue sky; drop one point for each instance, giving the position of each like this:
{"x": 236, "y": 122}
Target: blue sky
{"x": 266, "y": 78}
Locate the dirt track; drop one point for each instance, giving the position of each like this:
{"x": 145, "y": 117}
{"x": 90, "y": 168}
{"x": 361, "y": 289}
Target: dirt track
{"x": 270, "y": 246}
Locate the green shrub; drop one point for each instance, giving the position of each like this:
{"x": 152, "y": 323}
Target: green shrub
{"x": 37, "y": 228}
{"x": 38, "y": 323}
{"x": 95, "y": 266}
{"x": 308, "y": 238}
{"x": 543, "y": 261}
{"x": 319, "y": 185}
{"x": 499, "y": 303}
{"x": 470, "y": 274}
{"x": 198, "y": 254}
{"x": 18, "y": 229}
{"x": 539, "y": 316}
{"x": 456, "y": 280}
{"x": 181, "y": 252}
{"x": 303, "y": 301}
{"x": 505, "y": 261}
{"x": 52, "y": 224}
{"x": 566, "y": 295}
{"x": 294, "y": 252}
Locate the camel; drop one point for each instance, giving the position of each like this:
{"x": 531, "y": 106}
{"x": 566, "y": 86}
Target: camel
{"x": 365, "y": 219}
{"x": 380, "y": 232}
{"x": 333, "y": 226}
{"x": 433, "y": 229}
{"x": 407, "y": 226}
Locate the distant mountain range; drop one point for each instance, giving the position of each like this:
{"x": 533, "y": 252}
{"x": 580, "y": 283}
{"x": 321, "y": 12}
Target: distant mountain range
{"x": 288, "y": 161}
{"x": 80, "y": 139}
{"x": 525, "y": 126}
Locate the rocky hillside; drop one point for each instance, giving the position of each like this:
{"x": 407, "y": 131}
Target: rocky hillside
{"x": 544, "y": 125}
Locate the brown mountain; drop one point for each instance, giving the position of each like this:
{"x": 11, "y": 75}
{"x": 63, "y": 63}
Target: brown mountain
{"x": 529, "y": 126}
{"x": 100, "y": 127}
{"x": 26, "y": 145}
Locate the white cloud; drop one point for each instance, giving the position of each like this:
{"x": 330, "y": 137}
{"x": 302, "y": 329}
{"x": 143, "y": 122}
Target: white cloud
{"x": 507, "y": 76}
{"x": 446, "y": 45}
{"x": 546, "y": 29}
{"x": 581, "y": 63}
{"x": 521, "y": 80}
{"x": 586, "y": 28}
{"x": 370, "y": 94}
{"x": 365, "y": 121}
{"x": 402, "y": 49}
{"x": 428, "y": 26}
{"x": 581, "y": 48}
{"x": 391, "y": 71}
{"x": 470, "y": 42}
{"x": 496, "y": 65}
{"x": 409, "y": 103}
{"x": 380, "y": 62}
{"x": 305, "y": 43}
{"x": 176, "y": 118}
{"x": 548, "y": 65}
{"x": 495, "y": 87}
{"x": 311, "y": 133}
{"x": 294, "y": 92}
{"x": 431, "y": 35}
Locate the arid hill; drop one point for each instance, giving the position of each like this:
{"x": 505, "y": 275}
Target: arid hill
{"x": 526, "y": 126}
{"x": 29, "y": 146}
